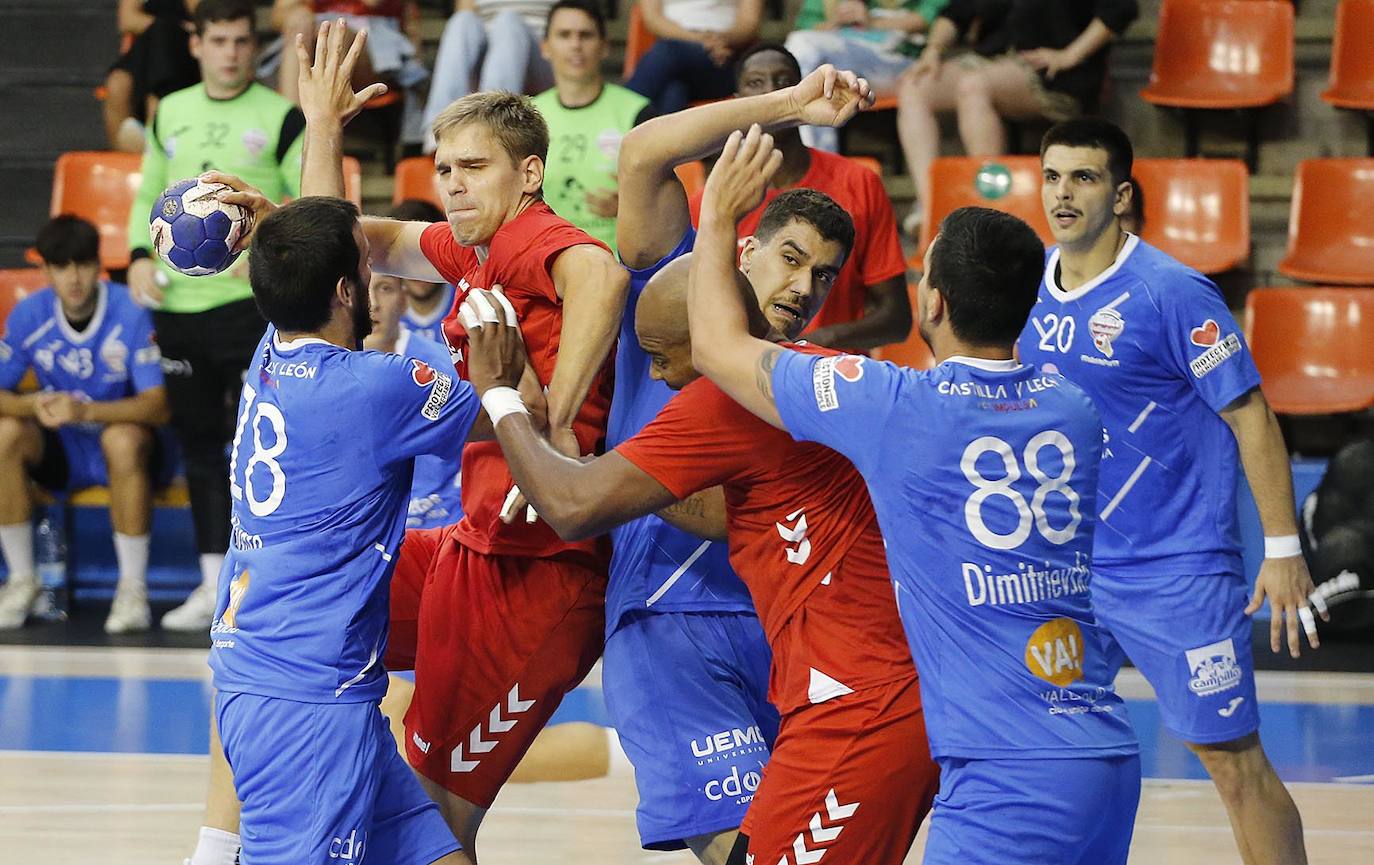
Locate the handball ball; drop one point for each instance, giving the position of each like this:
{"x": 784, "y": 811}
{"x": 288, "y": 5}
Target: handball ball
{"x": 193, "y": 231}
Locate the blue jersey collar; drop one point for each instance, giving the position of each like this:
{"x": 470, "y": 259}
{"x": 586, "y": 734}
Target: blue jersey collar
{"x": 1052, "y": 267}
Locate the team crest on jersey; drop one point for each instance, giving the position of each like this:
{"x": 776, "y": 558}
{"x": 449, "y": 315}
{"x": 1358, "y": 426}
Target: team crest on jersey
{"x": 114, "y": 353}
{"x": 255, "y": 142}
{"x": 1105, "y": 326}
{"x": 1213, "y": 668}
{"x": 1219, "y": 348}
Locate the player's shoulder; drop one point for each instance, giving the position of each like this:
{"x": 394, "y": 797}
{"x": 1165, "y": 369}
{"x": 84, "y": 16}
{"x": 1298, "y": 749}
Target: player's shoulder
{"x": 181, "y": 99}
{"x": 30, "y": 311}
{"x": 1161, "y": 275}
{"x": 1070, "y": 399}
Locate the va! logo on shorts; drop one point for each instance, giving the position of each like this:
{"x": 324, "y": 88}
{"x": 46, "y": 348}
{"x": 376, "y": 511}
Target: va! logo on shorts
{"x": 1214, "y": 668}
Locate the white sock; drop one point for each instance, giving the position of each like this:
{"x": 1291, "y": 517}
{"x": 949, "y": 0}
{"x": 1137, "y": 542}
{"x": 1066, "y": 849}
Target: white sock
{"x": 210, "y": 563}
{"x": 216, "y": 847}
{"x": 131, "y": 552}
{"x": 16, "y": 542}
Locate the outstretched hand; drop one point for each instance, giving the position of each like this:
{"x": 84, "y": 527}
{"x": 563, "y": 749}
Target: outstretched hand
{"x": 1288, "y": 585}
{"x": 326, "y": 84}
{"x": 830, "y": 96}
{"x": 741, "y": 175}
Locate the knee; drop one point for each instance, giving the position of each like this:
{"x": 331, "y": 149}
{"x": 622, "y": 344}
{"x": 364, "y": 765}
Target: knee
{"x": 971, "y": 88}
{"x": 12, "y": 431}
{"x": 126, "y": 447}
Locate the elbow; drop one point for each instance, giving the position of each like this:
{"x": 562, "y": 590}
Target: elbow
{"x": 572, "y": 520}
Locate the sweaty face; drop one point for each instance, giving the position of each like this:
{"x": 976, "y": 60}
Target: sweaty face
{"x": 482, "y": 185}
{"x": 225, "y": 52}
{"x": 387, "y": 302}
{"x": 573, "y": 46}
{"x": 765, "y": 72}
{"x": 792, "y": 272}
{"x": 1078, "y": 195}
{"x": 75, "y": 284}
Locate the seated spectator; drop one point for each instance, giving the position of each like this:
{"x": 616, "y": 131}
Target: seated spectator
{"x": 393, "y": 41}
{"x": 92, "y": 423}
{"x": 426, "y": 303}
{"x": 876, "y": 39}
{"x": 157, "y": 62}
{"x": 587, "y": 118}
{"x": 989, "y": 62}
{"x": 868, "y": 305}
{"x": 488, "y": 45}
{"x": 693, "y": 59}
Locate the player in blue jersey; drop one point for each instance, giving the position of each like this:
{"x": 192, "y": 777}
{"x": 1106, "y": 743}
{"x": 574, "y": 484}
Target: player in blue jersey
{"x": 320, "y": 474}
{"x": 983, "y": 474}
{"x": 94, "y": 422}
{"x": 1152, "y": 342}
{"x": 686, "y": 661}
{"x": 426, "y": 302}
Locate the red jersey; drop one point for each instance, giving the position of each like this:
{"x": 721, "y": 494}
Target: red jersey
{"x": 519, "y": 258}
{"x": 877, "y": 252}
{"x": 802, "y": 535}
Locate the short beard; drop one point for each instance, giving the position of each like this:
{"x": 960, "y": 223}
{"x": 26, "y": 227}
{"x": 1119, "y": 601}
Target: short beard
{"x": 362, "y": 315}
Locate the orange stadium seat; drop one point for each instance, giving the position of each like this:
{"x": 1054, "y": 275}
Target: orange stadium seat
{"x": 638, "y": 41}
{"x": 1008, "y": 183}
{"x": 99, "y": 186}
{"x": 1331, "y": 224}
{"x": 16, "y": 284}
{"x": 1222, "y": 54}
{"x": 912, "y": 351}
{"x": 1352, "y": 63}
{"x": 1312, "y": 347}
{"x": 415, "y": 179}
{"x": 1197, "y": 210}
{"x": 693, "y": 176}
{"x": 353, "y": 180}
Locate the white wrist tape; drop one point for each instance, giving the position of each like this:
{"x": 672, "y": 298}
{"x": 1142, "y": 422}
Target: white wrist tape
{"x": 502, "y": 401}
{"x": 1282, "y": 547}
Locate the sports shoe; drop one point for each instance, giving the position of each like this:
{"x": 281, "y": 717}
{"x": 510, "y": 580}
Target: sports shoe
{"x": 129, "y": 612}
{"x": 17, "y": 600}
{"x": 194, "y": 615}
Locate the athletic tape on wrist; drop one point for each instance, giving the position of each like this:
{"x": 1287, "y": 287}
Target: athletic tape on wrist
{"x": 502, "y": 401}
{"x": 1282, "y": 547}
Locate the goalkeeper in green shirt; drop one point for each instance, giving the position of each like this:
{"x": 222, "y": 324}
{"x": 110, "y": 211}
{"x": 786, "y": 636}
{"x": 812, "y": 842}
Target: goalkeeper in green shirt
{"x": 208, "y": 326}
{"x": 587, "y": 118}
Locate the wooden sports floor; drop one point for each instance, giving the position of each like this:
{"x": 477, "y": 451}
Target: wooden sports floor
{"x": 100, "y": 762}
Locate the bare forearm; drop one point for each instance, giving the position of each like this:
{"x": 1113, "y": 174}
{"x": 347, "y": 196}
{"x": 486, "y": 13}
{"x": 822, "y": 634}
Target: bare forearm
{"x": 594, "y": 290}
{"x": 16, "y": 405}
{"x": 1265, "y": 459}
{"x": 149, "y": 408}
{"x": 664, "y": 142}
{"x": 701, "y": 514}
{"x": 943, "y": 35}
{"x": 1094, "y": 38}
{"x": 886, "y": 319}
{"x": 322, "y": 159}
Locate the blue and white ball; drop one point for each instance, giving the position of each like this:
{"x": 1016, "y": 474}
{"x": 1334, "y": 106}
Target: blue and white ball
{"x": 193, "y": 231}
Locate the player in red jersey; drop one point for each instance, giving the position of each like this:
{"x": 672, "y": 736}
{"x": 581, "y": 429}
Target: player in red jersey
{"x": 851, "y": 753}
{"x": 868, "y": 306}
{"x": 499, "y": 619}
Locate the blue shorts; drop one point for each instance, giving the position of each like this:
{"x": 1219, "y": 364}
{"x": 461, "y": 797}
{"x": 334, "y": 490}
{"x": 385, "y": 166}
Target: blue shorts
{"x": 688, "y": 696}
{"x": 1077, "y": 811}
{"x": 73, "y": 459}
{"x": 323, "y": 783}
{"x": 1190, "y": 638}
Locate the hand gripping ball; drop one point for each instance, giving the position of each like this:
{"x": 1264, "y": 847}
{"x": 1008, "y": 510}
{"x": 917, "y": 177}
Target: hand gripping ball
{"x": 193, "y": 231}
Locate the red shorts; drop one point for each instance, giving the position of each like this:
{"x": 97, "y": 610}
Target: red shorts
{"x": 851, "y": 778}
{"x": 495, "y": 642}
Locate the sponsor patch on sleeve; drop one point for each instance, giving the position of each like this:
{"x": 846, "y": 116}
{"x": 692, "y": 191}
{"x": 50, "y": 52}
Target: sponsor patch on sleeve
{"x": 443, "y": 386}
{"x": 1218, "y": 348}
{"x": 823, "y": 383}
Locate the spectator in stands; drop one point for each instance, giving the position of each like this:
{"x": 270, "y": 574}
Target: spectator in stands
{"x": 694, "y": 57}
{"x": 994, "y": 60}
{"x": 587, "y": 118}
{"x": 92, "y": 423}
{"x": 875, "y": 38}
{"x": 393, "y": 41}
{"x": 426, "y": 303}
{"x": 157, "y": 61}
{"x": 488, "y": 45}
{"x": 208, "y": 326}
{"x": 868, "y": 305}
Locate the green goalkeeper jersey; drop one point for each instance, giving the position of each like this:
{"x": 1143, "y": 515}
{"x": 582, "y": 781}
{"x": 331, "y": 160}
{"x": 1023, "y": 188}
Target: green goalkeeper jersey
{"x": 584, "y": 149}
{"x": 256, "y": 135}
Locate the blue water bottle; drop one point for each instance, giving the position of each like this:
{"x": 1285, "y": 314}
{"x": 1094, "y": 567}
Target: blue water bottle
{"x": 51, "y": 553}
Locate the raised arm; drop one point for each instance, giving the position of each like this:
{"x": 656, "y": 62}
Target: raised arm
{"x": 328, "y": 103}
{"x": 1283, "y": 575}
{"x": 653, "y": 206}
{"x": 723, "y": 350}
{"x": 886, "y": 319}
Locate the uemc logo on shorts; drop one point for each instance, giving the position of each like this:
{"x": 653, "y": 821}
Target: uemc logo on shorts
{"x": 738, "y": 787}
{"x": 728, "y": 743}
{"x": 1213, "y": 668}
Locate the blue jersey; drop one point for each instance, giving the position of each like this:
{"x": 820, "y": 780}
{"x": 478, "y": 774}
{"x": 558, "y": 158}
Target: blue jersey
{"x": 653, "y": 564}
{"x": 1153, "y": 344}
{"x": 112, "y": 357}
{"x": 430, "y": 326}
{"x": 436, "y": 494}
{"x": 320, "y": 473}
{"x": 983, "y": 475}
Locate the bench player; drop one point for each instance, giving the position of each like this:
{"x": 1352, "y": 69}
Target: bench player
{"x": 1152, "y": 342}
{"x": 319, "y": 501}
{"x": 983, "y": 477}
{"x": 505, "y": 617}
